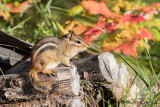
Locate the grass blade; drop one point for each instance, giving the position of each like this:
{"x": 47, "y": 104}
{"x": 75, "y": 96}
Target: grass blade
{"x": 133, "y": 70}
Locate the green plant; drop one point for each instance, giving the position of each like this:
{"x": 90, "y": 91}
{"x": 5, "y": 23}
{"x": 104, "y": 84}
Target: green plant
{"x": 2, "y": 6}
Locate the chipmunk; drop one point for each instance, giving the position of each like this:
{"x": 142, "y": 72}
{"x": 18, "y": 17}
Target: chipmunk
{"x": 51, "y": 51}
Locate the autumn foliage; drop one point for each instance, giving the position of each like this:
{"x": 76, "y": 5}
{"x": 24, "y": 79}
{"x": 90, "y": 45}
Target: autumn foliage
{"x": 123, "y": 23}
{"x": 125, "y": 32}
{"x": 20, "y": 8}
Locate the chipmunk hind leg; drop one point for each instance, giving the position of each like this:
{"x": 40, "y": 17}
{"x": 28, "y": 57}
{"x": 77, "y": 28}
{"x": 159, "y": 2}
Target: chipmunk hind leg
{"x": 34, "y": 70}
{"x": 33, "y": 74}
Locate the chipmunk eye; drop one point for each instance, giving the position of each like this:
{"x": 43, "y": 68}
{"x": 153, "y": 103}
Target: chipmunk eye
{"x": 78, "y": 42}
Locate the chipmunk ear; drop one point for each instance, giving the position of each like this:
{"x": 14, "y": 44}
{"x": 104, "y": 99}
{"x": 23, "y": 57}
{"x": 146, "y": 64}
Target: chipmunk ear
{"x": 69, "y": 35}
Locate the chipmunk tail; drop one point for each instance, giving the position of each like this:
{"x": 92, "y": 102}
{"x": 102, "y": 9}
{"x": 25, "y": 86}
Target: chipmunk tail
{"x": 38, "y": 85}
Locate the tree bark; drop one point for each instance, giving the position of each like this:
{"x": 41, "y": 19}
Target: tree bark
{"x": 52, "y": 102}
{"x": 18, "y": 87}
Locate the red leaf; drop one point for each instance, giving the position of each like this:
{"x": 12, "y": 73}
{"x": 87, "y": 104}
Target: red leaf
{"x": 95, "y": 7}
{"x": 111, "y": 27}
{"x": 129, "y": 48}
{"x": 93, "y": 33}
{"x": 144, "y": 33}
{"x": 133, "y": 18}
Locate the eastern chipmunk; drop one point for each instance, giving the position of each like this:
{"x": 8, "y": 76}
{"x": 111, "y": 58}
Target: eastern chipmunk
{"x": 51, "y": 51}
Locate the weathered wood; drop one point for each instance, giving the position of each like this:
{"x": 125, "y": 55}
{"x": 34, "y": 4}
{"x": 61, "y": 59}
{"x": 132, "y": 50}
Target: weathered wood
{"x": 102, "y": 67}
{"x": 11, "y": 56}
{"x": 19, "y": 68}
{"x": 6, "y": 39}
{"x": 18, "y": 87}
{"x": 54, "y": 102}
{"x": 12, "y": 51}
{"x": 123, "y": 83}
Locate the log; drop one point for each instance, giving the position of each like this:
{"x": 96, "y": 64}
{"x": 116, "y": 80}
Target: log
{"x": 19, "y": 68}
{"x": 11, "y": 56}
{"x": 100, "y": 68}
{"x": 18, "y": 87}
{"x": 64, "y": 102}
{"x": 8, "y": 40}
{"x": 12, "y": 51}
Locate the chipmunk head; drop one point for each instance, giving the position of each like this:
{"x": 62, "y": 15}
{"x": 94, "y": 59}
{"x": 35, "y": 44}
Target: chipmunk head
{"x": 75, "y": 43}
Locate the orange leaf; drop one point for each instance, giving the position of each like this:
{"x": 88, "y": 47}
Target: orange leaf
{"x": 110, "y": 42}
{"x": 5, "y": 15}
{"x": 95, "y": 7}
{"x": 129, "y": 48}
{"x": 78, "y": 27}
{"x": 17, "y": 9}
{"x": 21, "y": 7}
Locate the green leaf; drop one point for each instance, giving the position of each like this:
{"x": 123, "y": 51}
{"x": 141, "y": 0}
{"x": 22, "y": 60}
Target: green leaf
{"x": 143, "y": 72}
{"x": 60, "y": 27}
{"x": 16, "y": 3}
{"x": 75, "y": 10}
{"x": 155, "y": 79}
{"x": 156, "y": 33}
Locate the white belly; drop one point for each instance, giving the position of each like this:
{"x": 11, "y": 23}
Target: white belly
{"x": 52, "y": 66}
